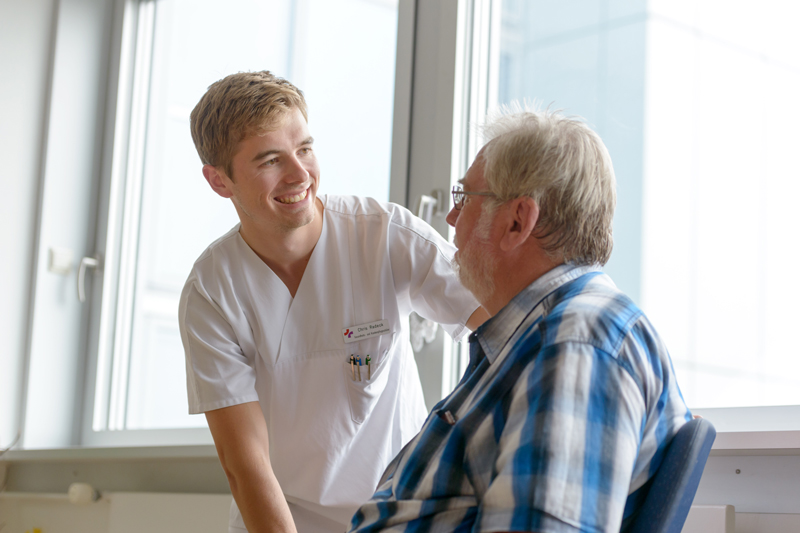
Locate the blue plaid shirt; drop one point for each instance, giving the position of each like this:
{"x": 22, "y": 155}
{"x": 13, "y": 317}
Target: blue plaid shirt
{"x": 557, "y": 425}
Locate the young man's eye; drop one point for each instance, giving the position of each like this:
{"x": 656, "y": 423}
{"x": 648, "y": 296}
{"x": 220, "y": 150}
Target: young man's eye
{"x": 271, "y": 162}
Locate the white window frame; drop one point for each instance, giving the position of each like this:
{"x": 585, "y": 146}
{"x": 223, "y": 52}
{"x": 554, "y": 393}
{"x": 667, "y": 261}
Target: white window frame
{"x": 104, "y": 399}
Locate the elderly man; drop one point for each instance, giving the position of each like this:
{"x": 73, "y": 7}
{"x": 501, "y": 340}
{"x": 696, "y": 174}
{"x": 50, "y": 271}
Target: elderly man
{"x": 570, "y": 398}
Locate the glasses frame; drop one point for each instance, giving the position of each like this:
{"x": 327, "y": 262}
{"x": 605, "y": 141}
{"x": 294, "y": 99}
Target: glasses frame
{"x": 460, "y": 196}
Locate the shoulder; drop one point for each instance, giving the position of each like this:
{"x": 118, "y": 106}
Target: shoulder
{"x": 393, "y": 217}
{"x": 363, "y": 206}
{"x": 592, "y": 310}
{"x": 355, "y": 206}
{"x": 224, "y": 245}
{"x": 216, "y": 258}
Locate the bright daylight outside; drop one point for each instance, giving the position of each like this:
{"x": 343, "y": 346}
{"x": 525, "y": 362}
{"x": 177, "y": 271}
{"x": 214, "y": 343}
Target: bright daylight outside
{"x": 180, "y": 214}
{"x": 700, "y": 120}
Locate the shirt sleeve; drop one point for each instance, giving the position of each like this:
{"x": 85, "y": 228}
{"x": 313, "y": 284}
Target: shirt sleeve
{"x": 569, "y": 446}
{"x": 218, "y": 373}
{"x": 423, "y": 272}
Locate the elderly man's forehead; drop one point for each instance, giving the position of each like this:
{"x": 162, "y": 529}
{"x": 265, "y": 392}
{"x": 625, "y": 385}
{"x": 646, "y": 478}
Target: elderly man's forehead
{"x": 474, "y": 173}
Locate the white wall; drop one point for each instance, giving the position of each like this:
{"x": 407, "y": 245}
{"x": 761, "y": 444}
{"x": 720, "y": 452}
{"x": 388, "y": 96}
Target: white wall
{"x": 117, "y": 513}
{"x": 26, "y": 38}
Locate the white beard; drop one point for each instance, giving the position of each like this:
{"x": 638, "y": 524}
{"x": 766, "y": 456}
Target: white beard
{"x": 474, "y": 264}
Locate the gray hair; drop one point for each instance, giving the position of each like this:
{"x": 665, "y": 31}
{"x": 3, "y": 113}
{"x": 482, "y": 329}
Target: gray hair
{"x": 564, "y": 166}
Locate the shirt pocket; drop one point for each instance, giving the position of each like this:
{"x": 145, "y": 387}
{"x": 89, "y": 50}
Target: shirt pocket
{"x": 365, "y": 383}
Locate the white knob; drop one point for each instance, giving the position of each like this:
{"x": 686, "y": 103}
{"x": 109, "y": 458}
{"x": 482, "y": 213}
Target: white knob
{"x": 82, "y": 494}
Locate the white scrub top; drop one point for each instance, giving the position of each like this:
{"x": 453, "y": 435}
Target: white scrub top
{"x": 246, "y": 339}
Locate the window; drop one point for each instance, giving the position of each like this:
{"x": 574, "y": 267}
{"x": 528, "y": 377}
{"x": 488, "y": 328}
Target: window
{"x": 699, "y": 119}
{"x": 162, "y": 214}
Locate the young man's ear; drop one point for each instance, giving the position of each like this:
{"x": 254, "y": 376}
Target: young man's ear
{"x": 218, "y": 180}
{"x": 522, "y": 215}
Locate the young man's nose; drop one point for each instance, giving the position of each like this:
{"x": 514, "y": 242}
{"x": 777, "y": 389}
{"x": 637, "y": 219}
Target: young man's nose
{"x": 296, "y": 171}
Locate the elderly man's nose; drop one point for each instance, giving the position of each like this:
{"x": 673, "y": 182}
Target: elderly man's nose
{"x": 452, "y": 216}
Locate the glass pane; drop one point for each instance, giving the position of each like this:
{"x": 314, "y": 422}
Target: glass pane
{"x": 699, "y": 119}
{"x": 341, "y": 54}
{"x": 721, "y": 112}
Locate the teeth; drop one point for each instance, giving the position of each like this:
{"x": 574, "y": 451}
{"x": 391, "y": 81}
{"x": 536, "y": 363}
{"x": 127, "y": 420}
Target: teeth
{"x": 293, "y": 199}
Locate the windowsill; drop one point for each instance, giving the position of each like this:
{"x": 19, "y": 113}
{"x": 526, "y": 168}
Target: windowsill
{"x": 756, "y": 443}
{"x": 121, "y": 453}
{"x": 191, "y": 469}
{"x": 741, "y": 443}
{"x": 754, "y": 431}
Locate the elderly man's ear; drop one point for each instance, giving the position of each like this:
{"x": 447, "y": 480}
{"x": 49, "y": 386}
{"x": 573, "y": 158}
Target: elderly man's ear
{"x": 518, "y": 223}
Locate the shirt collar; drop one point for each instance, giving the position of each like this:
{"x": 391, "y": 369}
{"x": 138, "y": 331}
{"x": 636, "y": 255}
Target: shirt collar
{"x": 497, "y": 331}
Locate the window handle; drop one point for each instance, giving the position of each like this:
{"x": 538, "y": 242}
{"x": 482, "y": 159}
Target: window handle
{"x": 430, "y": 205}
{"x": 93, "y": 262}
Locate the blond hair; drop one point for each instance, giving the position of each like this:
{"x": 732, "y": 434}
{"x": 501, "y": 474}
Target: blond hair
{"x": 564, "y": 166}
{"x": 239, "y": 106}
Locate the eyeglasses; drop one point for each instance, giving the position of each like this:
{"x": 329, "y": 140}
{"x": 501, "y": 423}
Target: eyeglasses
{"x": 459, "y": 195}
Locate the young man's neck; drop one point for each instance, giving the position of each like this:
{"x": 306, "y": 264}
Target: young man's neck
{"x": 285, "y": 252}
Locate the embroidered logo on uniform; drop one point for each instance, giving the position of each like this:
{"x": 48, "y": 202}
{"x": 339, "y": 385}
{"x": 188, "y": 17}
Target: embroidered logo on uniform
{"x": 348, "y": 333}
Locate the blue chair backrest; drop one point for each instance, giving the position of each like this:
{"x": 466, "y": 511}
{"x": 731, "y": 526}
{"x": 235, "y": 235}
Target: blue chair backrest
{"x": 673, "y": 487}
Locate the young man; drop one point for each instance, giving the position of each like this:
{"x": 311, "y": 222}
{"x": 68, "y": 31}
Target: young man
{"x": 570, "y": 398}
{"x": 295, "y": 323}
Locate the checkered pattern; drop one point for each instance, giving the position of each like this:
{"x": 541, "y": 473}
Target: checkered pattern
{"x": 557, "y": 425}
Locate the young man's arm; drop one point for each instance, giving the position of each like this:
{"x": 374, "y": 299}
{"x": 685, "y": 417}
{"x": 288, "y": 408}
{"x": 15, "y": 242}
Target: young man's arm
{"x": 477, "y": 318}
{"x": 240, "y": 435}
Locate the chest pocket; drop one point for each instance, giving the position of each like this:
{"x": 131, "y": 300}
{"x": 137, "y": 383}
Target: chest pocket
{"x": 365, "y": 383}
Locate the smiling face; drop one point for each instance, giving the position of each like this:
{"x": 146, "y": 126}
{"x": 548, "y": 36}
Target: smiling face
{"x": 275, "y": 178}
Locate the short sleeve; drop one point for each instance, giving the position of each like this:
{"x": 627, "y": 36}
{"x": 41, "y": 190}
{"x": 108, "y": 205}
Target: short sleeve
{"x": 218, "y": 374}
{"x": 569, "y": 445}
{"x": 423, "y": 271}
